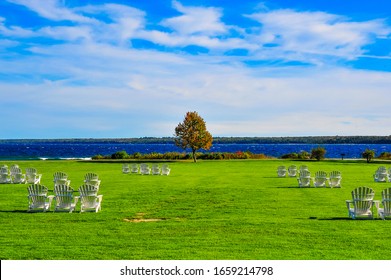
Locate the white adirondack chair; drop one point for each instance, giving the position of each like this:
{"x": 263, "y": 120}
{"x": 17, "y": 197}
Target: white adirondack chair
{"x": 292, "y": 171}
{"x": 18, "y": 178}
{"x": 92, "y": 179}
{"x": 335, "y": 178}
{"x": 145, "y": 169}
{"x": 381, "y": 174}
{"x": 134, "y": 168}
{"x": 155, "y": 170}
{"x": 386, "y": 202}
{"x": 14, "y": 169}
{"x": 38, "y": 198}
{"x": 89, "y": 199}
{"x": 5, "y": 178}
{"x": 361, "y": 204}
{"x": 304, "y": 178}
{"x": 65, "y": 201}
{"x": 61, "y": 178}
{"x": 125, "y": 168}
{"x": 281, "y": 171}
{"x": 165, "y": 169}
{"x": 4, "y": 169}
{"x": 32, "y": 176}
{"x": 320, "y": 179}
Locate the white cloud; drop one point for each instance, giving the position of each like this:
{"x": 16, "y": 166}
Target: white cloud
{"x": 317, "y": 33}
{"x": 51, "y": 9}
{"x": 196, "y": 20}
{"x": 14, "y": 31}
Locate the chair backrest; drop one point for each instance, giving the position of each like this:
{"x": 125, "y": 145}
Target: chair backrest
{"x": 86, "y": 190}
{"x": 91, "y": 177}
{"x": 363, "y": 194}
{"x": 59, "y": 176}
{"x": 37, "y": 190}
{"x": 386, "y": 201}
{"x": 15, "y": 170}
{"x": 303, "y": 167}
{"x": 38, "y": 198}
{"x": 321, "y": 174}
{"x": 62, "y": 190}
{"x": 4, "y": 170}
{"x": 335, "y": 174}
{"x": 304, "y": 173}
{"x": 292, "y": 168}
{"x": 381, "y": 169}
{"x": 386, "y": 194}
{"x": 89, "y": 198}
{"x": 64, "y": 197}
{"x": 362, "y": 200}
{"x": 31, "y": 170}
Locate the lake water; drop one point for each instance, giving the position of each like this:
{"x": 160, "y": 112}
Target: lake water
{"x": 61, "y": 150}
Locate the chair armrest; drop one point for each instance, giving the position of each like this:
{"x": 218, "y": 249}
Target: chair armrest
{"x": 50, "y": 197}
{"x": 76, "y": 199}
{"x": 100, "y": 197}
{"x": 348, "y": 202}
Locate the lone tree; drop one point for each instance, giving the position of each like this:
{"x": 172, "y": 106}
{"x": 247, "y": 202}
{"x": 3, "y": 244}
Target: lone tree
{"x": 368, "y": 155}
{"x": 192, "y": 133}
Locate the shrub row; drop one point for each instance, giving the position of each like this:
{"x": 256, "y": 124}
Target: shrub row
{"x": 183, "y": 156}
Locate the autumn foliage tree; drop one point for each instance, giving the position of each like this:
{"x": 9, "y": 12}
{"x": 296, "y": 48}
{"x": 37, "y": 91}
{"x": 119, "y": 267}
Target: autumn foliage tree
{"x": 192, "y": 133}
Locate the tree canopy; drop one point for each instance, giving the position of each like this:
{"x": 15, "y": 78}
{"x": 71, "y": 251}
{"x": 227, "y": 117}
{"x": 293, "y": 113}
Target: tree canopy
{"x": 192, "y": 133}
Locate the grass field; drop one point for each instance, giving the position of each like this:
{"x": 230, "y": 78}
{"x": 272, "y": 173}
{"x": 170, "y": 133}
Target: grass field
{"x": 211, "y": 210}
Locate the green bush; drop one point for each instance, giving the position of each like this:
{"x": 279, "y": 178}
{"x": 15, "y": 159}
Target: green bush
{"x": 304, "y": 155}
{"x": 120, "y": 155}
{"x": 290, "y": 156}
{"x": 318, "y": 153}
{"x": 384, "y": 155}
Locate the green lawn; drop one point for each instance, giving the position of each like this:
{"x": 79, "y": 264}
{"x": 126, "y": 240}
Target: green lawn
{"x": 211, "y": 210}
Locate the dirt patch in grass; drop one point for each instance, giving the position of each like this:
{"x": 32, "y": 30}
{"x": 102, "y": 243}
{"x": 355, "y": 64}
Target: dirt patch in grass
{"x": 139, "y": 218}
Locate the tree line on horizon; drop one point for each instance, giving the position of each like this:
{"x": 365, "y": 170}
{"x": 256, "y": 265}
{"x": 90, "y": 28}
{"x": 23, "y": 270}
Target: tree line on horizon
{"x": 225, "y": 140}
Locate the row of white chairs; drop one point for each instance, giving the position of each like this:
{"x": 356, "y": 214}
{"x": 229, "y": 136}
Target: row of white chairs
{"x": 65, "y": 201}
{"x": 304, "y": 179}
{"x": 15, "y": 175}
{"x": 145, "y": 169}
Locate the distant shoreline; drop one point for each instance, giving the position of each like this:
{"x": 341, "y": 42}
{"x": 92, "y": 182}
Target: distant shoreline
{"x": 222, "y": 140}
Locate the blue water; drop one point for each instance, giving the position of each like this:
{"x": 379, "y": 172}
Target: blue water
{"x": 60, "y": 150}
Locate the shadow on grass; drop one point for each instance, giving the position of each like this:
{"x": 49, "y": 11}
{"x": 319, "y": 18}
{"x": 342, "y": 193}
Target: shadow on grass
{"x": 294, "y": 187}
{"x": 17, "y": 211}
{"x": 339, "y": 219}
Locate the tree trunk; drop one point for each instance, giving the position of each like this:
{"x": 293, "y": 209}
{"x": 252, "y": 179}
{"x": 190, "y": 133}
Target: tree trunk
{"x": 194, "y": 155}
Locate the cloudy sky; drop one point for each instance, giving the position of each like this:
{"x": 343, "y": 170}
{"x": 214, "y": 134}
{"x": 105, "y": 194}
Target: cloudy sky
{"x": 98, "y": 68}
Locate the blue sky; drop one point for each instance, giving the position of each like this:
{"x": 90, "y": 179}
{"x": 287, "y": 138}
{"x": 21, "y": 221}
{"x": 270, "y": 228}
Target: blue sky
{"x": 92, "y": 69}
